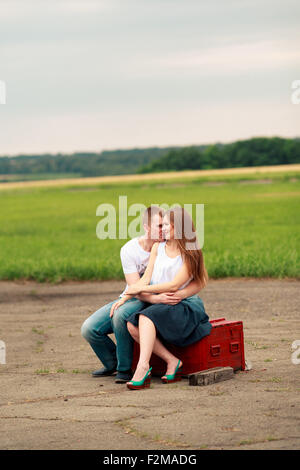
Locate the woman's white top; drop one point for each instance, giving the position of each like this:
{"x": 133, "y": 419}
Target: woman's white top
{"x": 166, "y": 268}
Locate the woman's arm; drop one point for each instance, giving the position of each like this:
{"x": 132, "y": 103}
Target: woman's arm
{"x": 146, "y": 277}
{"x": 181, "y": 277}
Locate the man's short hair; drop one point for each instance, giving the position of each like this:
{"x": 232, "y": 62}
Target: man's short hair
{"x": 150, "y": 212}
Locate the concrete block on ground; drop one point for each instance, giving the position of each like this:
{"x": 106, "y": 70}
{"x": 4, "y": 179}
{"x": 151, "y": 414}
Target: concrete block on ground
{"x": 210, "y": 376}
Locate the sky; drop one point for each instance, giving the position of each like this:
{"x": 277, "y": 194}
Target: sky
{"x": 93, "y": 75}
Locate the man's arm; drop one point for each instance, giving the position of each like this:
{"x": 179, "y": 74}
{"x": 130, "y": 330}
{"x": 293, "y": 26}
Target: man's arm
{"x": 133, "y": 278}
{"x": 171, "y": 298}
{"x": 163, "y": 298}
{"x": 191, "y": 289}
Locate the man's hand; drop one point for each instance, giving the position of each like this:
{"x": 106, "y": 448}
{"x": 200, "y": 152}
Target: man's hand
{"x": 170, "y": 298}
{"x": 116, "y": 305}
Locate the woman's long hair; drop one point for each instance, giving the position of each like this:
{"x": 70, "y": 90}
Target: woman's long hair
{"x": 186, "y": 238}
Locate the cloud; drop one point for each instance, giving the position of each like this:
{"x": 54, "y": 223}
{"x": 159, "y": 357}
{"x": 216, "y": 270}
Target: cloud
{"x": 111, "y": 73}
{"x": 227, "y": 59}
{"x": 86, "y": 6}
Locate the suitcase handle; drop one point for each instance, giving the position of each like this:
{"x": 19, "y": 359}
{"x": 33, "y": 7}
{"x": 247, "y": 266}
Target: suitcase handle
{"x": 215, "y": 350}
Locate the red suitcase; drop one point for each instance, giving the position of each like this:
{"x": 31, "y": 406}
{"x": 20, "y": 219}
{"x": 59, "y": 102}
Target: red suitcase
{"x": 224, "y": 346}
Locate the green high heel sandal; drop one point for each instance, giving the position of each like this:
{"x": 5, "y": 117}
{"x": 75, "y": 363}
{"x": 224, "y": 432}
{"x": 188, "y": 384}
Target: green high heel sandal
{"x": 139, "y": 384}
{"x": 171, "y": 378}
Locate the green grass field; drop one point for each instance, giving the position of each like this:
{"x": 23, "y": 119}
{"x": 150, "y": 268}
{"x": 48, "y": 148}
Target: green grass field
{"x": 251, "y": 227}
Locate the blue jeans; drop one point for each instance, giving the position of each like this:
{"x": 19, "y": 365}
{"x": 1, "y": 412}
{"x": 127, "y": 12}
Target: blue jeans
{"x": 99, "y": 325}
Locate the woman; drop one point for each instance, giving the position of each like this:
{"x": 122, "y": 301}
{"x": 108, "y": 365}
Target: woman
{"x": 172, "y": 265}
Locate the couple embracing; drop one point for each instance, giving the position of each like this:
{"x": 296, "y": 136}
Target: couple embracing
{"x": 164, "y": 270}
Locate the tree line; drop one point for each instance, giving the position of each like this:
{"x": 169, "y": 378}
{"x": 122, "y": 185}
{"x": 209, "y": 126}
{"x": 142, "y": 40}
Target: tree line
{"x": 258, "y": 151}
{"x": 114, "y": 162}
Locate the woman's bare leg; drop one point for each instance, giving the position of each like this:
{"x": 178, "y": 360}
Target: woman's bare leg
{"x": 147, "y": 333}
{"x": 158, "y": 348}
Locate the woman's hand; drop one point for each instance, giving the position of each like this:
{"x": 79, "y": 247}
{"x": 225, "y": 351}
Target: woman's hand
{"x": 116, "y": 305}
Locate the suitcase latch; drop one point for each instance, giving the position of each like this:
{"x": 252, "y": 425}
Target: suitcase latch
{"x": 215, "y": 350}
{"x": 234, "y": 346}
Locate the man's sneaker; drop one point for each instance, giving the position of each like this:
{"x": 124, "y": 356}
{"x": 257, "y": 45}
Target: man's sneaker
{"x": 104, "y": 372}
{"x": 123, "y": 376}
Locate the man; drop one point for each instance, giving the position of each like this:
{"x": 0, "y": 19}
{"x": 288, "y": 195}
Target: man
{"x": 112, "y": 318}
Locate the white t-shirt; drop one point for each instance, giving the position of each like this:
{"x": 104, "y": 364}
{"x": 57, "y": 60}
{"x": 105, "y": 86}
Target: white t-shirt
{"x": 134, "y": 258}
